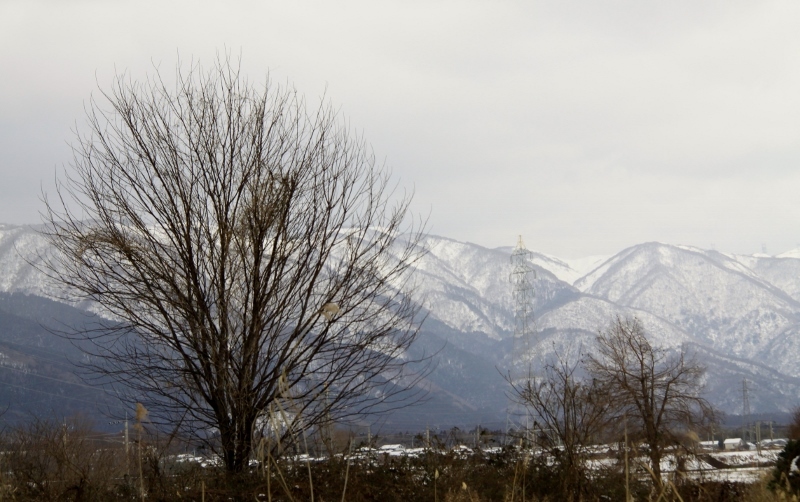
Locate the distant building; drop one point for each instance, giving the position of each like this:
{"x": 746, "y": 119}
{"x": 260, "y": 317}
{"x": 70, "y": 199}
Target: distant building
{"x": 733, "y": 444}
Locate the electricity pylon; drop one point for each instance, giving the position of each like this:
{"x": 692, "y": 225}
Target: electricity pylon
{"x": 521, "y": 278}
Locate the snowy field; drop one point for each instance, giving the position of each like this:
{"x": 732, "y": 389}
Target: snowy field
{"x": 734, "y": 466}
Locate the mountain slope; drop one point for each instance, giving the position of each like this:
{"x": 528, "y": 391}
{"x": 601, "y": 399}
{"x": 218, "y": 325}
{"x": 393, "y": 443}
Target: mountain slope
{"x": 712, "y": 297}
{"x": 466, "y": 287}
{"x": 39, "y": 375}
{"x": 739, "y": 314}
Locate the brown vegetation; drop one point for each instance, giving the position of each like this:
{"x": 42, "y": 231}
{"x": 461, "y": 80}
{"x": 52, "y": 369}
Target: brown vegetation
{"x": 572, "y": 413}
{"x": 629, "y": 391}
{"x": 654, "y": 392}
{"x": 52, "y": 461}
{"x": 794, "y": 425}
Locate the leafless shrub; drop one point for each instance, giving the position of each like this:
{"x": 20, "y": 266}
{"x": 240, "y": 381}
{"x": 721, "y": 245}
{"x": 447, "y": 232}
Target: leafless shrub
{"x": 47, "y": 460}
{"x": 794, "y": 425}
{"x": 570, "y": 414}
{"x": 654, "y": 392}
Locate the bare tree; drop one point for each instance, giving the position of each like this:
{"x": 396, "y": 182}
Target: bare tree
{"x": 250, "y": 252}
{"x": 571, "y": 413}
{"x": 658, "y": 390}
{"x": 794, "y": 425}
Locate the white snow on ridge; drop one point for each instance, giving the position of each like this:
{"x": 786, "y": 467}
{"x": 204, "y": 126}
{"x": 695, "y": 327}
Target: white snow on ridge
{"x": 792, "y": 253}
{"x": 568, "y": 270}
{"x": 743, "y": 307}
{"x": 782, "y": 271}
{"x": 587, "y": 281}
{"x": 585, "y": 265}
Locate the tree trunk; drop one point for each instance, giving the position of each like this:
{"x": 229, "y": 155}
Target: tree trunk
{"x": 655, "y": 464}
{"x": 235, "y": 447}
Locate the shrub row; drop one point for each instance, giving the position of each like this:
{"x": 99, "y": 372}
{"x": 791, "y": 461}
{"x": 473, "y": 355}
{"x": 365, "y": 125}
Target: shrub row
{"x": 49, "y": 461}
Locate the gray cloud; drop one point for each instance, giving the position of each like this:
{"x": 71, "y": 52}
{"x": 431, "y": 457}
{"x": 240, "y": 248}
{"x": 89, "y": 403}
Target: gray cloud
{"x": 585, "y": 126}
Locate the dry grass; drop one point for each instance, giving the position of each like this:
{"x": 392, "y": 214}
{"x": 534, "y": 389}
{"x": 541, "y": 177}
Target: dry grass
{"x": 51, "y": 461}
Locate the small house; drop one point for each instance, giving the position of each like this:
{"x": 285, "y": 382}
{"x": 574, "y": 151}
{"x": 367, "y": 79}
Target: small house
{"x": 732, "y": 444}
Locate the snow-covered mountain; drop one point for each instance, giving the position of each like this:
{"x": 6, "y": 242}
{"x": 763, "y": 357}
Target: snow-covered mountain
{"x": 740, "y": 314}
{"x": 715, "y": 299}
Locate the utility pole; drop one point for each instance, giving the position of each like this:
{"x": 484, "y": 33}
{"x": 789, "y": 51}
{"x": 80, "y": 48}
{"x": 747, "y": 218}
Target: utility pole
{"x": 745, "y": 411}
{"x": 125, "y": 441}
{"x": 127, "y": 457}
{"x": 758, "y": 437}
{"x": 328, "y": 422}
{"x": 627, "y": 476}
{"x": 528, "y": 429}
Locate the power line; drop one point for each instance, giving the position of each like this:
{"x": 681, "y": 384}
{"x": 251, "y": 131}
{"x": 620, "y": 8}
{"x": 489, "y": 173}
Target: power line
{"x": 50, "y": 393}
{"x": 99, "y": 389}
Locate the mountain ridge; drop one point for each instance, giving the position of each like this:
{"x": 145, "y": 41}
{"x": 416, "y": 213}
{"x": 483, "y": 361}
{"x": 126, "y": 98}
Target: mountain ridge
{"x": 741, "y": 311}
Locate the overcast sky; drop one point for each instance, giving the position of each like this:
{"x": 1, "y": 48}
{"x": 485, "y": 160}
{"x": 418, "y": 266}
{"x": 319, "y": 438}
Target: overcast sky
{"x": 585, "y": 126}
